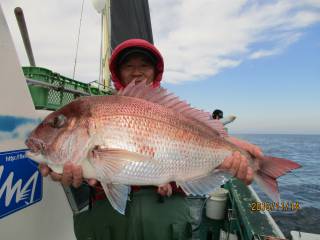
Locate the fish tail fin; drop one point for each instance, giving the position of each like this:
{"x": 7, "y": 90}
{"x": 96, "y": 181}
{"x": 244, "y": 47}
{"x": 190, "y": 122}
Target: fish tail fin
{"x": 270, "y": 168}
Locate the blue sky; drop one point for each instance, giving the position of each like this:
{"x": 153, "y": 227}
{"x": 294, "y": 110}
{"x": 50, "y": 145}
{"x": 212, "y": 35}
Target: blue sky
{"x": 275, "y": 94}
{"x": 258, "y": 60}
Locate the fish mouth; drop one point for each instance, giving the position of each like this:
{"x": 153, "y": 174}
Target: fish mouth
{"x": 36, "y": 146}
{"x": 36, "y": 156}
{"x": 36, "y": 149}
{"x": 31, "y": 154}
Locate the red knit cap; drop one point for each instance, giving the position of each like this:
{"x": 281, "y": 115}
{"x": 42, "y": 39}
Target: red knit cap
{"x": 136, "y": 43}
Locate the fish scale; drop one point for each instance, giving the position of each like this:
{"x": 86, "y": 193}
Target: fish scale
{"x": 183, "y": 151}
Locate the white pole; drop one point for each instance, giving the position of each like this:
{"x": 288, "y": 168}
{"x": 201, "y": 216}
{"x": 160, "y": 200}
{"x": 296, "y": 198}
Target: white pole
{"x": 106, "y": 48}
{"x": 103, "y": 7}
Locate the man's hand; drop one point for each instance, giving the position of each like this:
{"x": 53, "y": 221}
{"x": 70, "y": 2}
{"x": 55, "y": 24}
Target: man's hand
{"x": 165, "y": 190}
{"x": 72, "y": 175}
{"x": 238, "y": 164}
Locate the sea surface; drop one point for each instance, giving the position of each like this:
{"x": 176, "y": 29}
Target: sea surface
{"x": 301, "y": 185}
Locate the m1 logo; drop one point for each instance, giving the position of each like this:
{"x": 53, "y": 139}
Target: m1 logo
{"x": 20, "y": 182}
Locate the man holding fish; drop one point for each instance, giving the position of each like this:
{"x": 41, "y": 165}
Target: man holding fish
{"x": 146, "y": 215}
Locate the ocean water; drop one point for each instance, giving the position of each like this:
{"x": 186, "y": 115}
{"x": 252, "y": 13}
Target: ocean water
{"x": 301, "y": 185}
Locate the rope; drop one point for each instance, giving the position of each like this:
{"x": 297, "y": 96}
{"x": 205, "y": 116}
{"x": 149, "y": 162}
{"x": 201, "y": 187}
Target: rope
{"x": 75, "y": 60}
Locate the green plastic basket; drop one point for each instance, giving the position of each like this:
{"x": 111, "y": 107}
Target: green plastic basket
{"x": 53, "y": 99}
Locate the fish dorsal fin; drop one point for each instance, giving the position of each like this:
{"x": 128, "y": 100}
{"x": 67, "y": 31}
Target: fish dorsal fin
{"x": 165, "y": 98}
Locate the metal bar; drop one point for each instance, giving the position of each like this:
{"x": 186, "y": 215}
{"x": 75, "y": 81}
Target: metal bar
{"x": 51, "y": 86}
{"x": 24, "y": 33}
{"x": 254, "y": 223}
{"x": 269, "y": 217}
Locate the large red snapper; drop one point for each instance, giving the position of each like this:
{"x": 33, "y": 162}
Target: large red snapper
{"x": 143, "y": 136}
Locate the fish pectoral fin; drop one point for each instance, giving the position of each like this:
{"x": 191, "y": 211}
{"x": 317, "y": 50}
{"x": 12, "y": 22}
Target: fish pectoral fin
{"x": 204, "y": 185}
{"x": 117, "y": 154}
{"x": 111, "y": 161}
{"x": 117, "y": 195}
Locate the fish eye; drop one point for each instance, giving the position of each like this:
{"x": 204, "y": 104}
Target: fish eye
{"x": 59, "y": 121}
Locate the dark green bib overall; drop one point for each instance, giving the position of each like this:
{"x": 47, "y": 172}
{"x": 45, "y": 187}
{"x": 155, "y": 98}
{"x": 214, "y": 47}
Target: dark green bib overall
{"x": 146, "y": 218}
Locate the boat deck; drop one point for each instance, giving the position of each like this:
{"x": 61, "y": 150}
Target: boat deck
{"x": 241, "y": 219}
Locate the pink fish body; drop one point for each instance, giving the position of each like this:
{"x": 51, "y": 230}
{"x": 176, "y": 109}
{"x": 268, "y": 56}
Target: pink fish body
{"x": 142, "y": 136}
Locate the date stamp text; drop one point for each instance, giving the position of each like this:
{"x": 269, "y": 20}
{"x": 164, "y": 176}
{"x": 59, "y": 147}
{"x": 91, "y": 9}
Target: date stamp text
{"x": 285, "y": 206}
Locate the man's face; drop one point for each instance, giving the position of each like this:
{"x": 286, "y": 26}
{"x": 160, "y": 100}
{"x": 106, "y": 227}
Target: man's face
{"x": 136, "y": 68}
